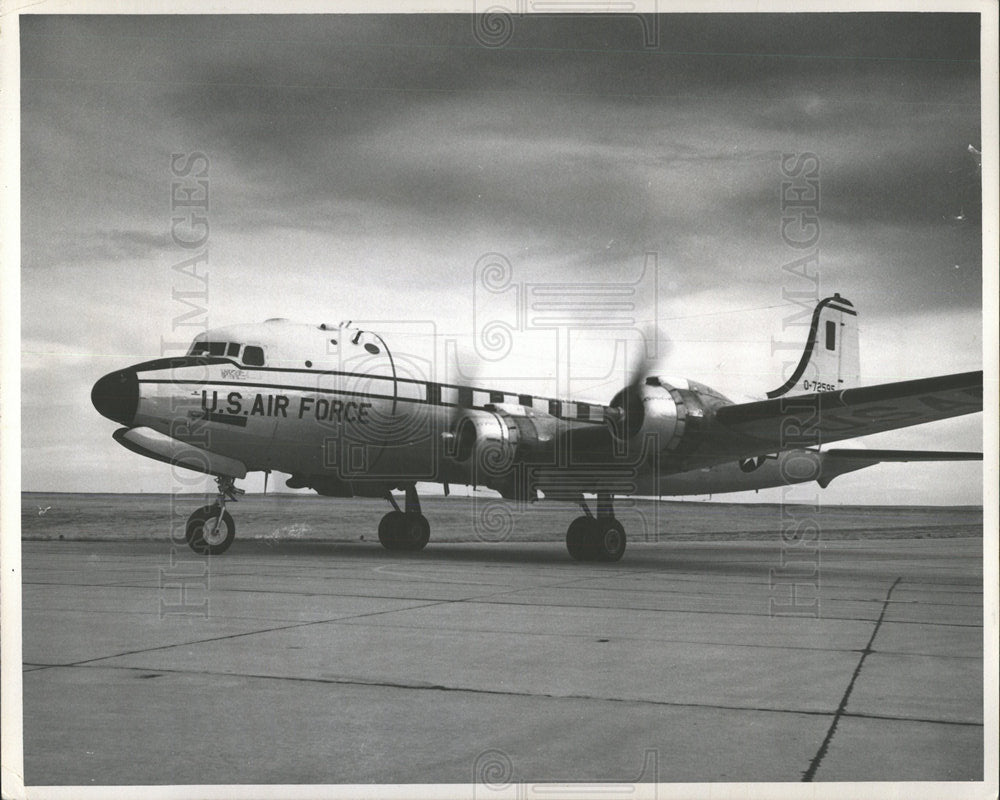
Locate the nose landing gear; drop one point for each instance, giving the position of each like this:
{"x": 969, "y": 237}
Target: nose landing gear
{"x": 404, "y": 530}
{"x": 210, "y": 529}
{"x": 600, "y": 538}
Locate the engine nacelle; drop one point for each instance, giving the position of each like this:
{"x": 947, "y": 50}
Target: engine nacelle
{"x": 498, "y": 443}
{"x": 665, "y": 416}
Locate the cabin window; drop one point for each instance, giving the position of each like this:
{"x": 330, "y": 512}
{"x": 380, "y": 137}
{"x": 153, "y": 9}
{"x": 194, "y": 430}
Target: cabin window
{"x": 831, "y": 335}
{"x": 465, "y": 396}
{"x": 372, "y": 348}
{"x": 525, "y": 400}
{"x": 233, "y": 350}
{"x": 216, "y": 348}
{"x": 555, "y": 408}
{"x": 198, "y": 347}
{"x": 496, "y": 397}
{"x": 253, "y": 356}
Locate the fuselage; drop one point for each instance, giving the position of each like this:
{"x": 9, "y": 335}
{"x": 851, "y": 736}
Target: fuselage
{"x": 345, "y": 411}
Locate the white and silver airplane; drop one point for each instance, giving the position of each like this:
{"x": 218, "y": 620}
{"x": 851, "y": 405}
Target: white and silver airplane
{"x": 329, "y": 405}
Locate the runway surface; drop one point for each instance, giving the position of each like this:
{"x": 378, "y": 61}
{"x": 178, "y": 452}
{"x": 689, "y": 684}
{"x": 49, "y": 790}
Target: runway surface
{"x": 305, "y": 662}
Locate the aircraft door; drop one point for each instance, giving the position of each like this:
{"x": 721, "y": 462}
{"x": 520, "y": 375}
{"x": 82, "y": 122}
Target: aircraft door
{"x": 399, "y": 437}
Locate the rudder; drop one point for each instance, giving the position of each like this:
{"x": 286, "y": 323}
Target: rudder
{"x": 831, "y": 358}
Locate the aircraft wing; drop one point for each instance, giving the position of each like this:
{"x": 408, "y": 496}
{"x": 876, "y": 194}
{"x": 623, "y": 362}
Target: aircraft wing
{"x": 823, "y": 417}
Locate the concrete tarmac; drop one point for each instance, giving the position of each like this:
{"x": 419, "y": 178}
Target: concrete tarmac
{"x": 306, "y": 662}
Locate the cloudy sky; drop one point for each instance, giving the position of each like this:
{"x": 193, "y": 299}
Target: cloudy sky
{"x": 360, "y": 166}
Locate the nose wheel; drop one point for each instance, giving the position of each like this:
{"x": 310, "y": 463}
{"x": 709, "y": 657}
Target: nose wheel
{"x": 600, "y": 538}
{"x": 404, "y": 530}
{"x": 210, "y": 530}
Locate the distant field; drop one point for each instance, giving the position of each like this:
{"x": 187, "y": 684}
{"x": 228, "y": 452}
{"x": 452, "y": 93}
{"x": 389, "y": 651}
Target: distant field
{"x": 145, "y": 517}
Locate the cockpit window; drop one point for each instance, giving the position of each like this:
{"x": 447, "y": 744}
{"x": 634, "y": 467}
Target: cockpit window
{"x": 253, "y": 356}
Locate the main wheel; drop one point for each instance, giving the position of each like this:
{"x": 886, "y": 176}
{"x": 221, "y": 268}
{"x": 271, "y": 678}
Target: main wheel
{"x": 578, "y": 538}
{"x": 200, "y": 536}
{"x": 607, "y": 540}
{"x": 400, "y": 531}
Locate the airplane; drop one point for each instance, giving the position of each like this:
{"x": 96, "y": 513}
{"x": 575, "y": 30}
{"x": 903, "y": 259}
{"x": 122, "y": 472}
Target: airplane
{"x": 337, "y": 409}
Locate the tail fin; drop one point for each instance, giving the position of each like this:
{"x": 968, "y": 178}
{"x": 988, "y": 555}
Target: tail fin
{"x": 830, "y": 360}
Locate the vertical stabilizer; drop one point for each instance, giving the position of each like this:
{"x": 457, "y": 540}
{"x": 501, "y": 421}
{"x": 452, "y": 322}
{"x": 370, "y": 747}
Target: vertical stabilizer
{"x": 830, "y": 360}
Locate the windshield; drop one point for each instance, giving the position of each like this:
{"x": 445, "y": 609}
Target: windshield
{"x": 251, "y": 355}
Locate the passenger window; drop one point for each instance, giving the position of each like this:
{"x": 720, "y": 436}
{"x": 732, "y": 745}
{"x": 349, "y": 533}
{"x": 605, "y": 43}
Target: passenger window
{"x": 831, "y": 335}
{"x": 233, "y": 349}
{"x": 217, "y": 348}
{"x": 253, "y": 356}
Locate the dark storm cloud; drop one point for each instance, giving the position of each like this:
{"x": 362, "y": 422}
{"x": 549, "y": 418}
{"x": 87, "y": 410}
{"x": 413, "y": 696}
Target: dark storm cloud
{"x": 574, "y": 134}
{"x": 307, "y": 110}
{"x": 554, "y": 131}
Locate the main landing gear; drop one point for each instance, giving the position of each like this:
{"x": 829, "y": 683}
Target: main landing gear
{"x": 600, "y": 538}
{"x": 210, "y": 529}
{"x": 404, "y": 530}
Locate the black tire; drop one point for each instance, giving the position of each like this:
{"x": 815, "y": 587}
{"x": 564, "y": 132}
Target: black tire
{"x": 578, "y": 538}
{"x": 389, "y": 528}
{"x": 607, "y": 540}
{"x": 400, "y": 531}
{"x": 203, "y": 519}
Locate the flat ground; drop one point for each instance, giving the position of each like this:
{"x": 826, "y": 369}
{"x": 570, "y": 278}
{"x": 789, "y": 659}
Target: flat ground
{"x": 715, "y": 650}
{"x": 308, "y": 517}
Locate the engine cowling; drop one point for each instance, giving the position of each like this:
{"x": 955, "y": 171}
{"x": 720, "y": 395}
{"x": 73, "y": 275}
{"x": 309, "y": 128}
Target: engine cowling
{"x": 497, "y": 445}
{"x": 662, "y": 416}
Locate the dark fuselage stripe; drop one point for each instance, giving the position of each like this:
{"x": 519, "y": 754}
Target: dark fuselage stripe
{"x": 345, "y": 392}
{"x": 202, "y": 361}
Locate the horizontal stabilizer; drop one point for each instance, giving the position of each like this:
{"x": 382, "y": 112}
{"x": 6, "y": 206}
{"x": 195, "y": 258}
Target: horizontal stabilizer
{"x": 901, "y": 455}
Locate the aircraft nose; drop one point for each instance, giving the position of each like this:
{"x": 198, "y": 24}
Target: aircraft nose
{"x": 116, "y": 396}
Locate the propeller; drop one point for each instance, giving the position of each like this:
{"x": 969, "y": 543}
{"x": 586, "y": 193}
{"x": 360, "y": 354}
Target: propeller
{"x": 624, "y": 415}
{"x": 645, "y": 358}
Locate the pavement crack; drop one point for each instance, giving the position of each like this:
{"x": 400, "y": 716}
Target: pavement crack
{"x": 232, "y": 636}
{"x": 810, "y": 771}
